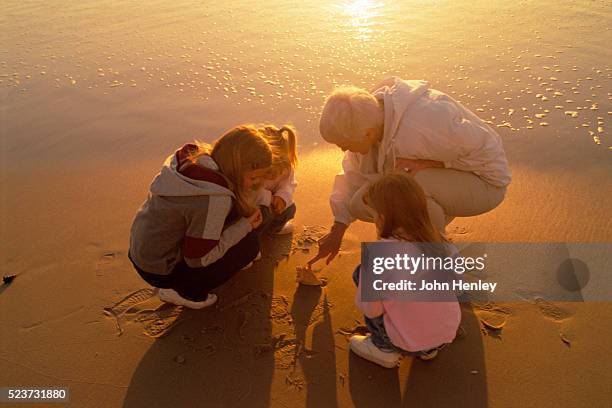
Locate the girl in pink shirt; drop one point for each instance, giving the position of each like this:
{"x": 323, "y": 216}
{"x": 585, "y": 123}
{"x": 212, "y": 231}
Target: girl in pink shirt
{"x": 404, "y": 327}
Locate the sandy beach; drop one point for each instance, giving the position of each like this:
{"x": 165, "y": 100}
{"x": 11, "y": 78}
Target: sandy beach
{"x": 95, "y": 96}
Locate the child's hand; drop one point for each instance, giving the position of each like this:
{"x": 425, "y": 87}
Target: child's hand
{"x": 278, "y": 204}
{"x": 256, "y": 219}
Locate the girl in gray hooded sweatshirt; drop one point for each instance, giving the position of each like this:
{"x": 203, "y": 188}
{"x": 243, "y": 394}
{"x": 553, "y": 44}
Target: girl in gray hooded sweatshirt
{"x": 195, "y": 229}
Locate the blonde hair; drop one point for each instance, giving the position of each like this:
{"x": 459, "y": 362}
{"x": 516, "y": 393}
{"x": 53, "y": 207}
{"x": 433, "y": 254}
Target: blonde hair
{"x": 241, "y": 149}
{"x": 348, "y": 113}
{"x": 283, "y": 142}
{"x": 401, "y": 202}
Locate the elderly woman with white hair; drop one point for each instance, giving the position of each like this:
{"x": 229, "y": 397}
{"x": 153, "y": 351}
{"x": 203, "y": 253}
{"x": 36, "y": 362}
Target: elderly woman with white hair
{"x": 458, "y": 159}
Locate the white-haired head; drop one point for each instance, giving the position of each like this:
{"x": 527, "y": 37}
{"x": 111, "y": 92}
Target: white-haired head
{"x": 348, "y": 114}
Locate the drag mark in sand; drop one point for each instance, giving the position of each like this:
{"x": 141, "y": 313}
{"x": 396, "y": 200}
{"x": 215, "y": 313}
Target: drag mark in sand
{"x": 61, "y": 317}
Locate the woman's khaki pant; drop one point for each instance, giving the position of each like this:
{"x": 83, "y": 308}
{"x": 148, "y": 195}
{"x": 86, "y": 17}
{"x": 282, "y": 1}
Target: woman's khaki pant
{"x": 450, "y": 193}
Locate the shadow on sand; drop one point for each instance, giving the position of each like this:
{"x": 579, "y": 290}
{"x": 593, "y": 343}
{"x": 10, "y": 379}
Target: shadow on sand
{"x": 232, "y": 354}
{"x": 219, "y": 357}
{"x": 318, "y": 362}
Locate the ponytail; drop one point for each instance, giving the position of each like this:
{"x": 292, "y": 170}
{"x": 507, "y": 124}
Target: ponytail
{"x": 288, "y": 133}
{"x": 283, "y": 142}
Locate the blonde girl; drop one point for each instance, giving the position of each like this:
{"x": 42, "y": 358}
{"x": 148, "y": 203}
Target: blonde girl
{"x": 279, "y": 185}
{"x": 196, "y": 228}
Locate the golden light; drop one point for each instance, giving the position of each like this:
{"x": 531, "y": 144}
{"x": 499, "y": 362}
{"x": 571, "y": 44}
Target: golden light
{"x": 361, "y": 14}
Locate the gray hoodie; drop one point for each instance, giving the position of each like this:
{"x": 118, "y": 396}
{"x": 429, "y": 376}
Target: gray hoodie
{"x": 184, "y": 216}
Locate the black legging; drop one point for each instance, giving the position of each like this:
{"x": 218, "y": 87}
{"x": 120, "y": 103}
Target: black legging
{"x": 195, "y": 283}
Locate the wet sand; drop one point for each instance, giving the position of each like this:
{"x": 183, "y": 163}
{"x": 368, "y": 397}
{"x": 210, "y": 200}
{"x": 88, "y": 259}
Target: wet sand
{"x": 80, "y": 144}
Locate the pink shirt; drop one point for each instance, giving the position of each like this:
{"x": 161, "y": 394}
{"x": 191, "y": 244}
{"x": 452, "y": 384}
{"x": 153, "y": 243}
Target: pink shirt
{"x": 414, "y": 326}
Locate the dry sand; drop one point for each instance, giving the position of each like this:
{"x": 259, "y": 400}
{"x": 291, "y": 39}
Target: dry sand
{"x": 85, "y": 320}
{"x": 96, "y": 95}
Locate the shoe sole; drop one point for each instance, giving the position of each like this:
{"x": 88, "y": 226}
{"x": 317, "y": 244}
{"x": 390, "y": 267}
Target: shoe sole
{"x": 375, "y": 361}
{"x": 429, "y": 356}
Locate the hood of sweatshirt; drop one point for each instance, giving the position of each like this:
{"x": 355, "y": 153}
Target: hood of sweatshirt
{"x": 193, "y": 179}
{"x": 397, "y": 99}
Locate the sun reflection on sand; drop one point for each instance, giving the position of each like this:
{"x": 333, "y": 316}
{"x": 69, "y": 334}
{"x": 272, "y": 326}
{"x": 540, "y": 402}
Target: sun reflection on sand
{"x": 362, "y": 15}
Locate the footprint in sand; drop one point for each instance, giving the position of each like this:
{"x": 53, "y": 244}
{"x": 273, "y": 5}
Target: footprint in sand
{"x": 142, "y": 306}
{"x": 492, "y": 317}
{"x": 552, "y": 311}
{"x": 133, "y": 298}
{"x": 492, "y": 322}
{"x": 159, "y": 322}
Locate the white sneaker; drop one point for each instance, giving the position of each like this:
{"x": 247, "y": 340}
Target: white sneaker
{"x": 431, "y": 354}
{"x": 258, "y": 257}
{"x": 364, "y": 348}
{"x": 287, "y": 228}
{"x": 172, "y": 296}
{"x": 247, "y": 267}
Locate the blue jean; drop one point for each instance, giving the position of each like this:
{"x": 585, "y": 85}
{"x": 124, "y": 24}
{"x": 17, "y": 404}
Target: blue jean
{"x": 376, "y": 327}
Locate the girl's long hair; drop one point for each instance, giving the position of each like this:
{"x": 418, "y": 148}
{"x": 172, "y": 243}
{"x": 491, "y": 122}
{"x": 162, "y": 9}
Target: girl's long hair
{"x": 283, "y": 142}
{"x": 401, "y": 202}
{"x": 241, "y": 149}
